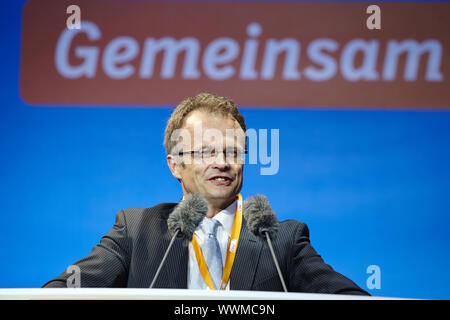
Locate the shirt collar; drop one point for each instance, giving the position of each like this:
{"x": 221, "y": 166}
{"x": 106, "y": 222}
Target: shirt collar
{"x": 226, "y": 217}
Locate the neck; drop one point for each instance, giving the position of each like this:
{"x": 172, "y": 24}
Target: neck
{"x": 214, "y": 208}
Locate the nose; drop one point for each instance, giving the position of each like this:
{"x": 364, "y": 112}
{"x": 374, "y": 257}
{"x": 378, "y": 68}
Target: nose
{"x": 220, "y": 161}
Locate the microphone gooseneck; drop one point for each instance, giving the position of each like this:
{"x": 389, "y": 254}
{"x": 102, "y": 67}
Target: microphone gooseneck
{"x": 182, "y": 223}
{"x": 262, "y": 222}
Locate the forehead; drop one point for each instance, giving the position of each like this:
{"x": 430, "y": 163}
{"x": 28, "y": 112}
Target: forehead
{"x": 207, "y": 120}
{"x": 207, "y": 128}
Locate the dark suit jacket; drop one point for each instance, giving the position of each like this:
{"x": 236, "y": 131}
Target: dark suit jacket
{"x": 129, "y": 255}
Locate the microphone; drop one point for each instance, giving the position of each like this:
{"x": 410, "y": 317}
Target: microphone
{"x": 263, "y": 223}
{"x": 183, "y": 221}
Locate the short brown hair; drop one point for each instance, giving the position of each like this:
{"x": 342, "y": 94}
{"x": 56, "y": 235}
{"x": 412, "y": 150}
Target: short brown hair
{"x": 203, "y": 101}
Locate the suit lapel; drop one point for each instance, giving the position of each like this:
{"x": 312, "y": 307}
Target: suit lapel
{"x": 174, "y": 271}
{"x": 177, "y": 265}
{"x": 246, "y": 260}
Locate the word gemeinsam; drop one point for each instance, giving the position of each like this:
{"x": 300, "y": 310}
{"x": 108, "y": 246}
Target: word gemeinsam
{"x": 257, "y": 53}
{"x": 215, "y": 60}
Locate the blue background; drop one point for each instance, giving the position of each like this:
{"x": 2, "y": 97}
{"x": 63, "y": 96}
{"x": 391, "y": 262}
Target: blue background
{"x": 373, "y": 186}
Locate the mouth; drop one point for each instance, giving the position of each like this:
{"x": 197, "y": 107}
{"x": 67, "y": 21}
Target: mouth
{"x": 221, "y": 180}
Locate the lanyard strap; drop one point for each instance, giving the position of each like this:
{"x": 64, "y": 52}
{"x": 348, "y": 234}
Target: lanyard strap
{"x": 231, "y": 252}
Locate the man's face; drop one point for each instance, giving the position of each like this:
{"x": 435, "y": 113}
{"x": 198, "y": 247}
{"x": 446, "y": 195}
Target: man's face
{"x": 218, "y": 178}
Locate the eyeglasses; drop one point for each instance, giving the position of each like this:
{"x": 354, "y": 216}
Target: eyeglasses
{"x": 230, "y": 154}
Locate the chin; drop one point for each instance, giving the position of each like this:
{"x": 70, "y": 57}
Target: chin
{"x": 222, "y": 197}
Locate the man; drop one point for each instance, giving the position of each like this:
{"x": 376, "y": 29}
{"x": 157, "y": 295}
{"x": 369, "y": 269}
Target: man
{"x": 205, "y": 143}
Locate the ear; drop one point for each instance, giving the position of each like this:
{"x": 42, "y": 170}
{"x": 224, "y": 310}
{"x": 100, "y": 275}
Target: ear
{"x": 174, "y": 166}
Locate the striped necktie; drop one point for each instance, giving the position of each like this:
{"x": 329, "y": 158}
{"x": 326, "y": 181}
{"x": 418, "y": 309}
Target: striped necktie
{"x": 212, "y": 252}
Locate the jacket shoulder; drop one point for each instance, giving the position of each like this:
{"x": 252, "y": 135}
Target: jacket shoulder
{"x": 136, "y": 218}
{"x": 161, "y": 210}
{"x": 294, "y": 226}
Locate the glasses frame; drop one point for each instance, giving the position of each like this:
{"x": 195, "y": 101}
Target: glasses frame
{"x": 202, "y": 153}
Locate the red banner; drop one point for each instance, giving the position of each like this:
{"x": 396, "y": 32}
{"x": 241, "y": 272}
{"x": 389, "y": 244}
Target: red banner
{"x": 286, "y": 54}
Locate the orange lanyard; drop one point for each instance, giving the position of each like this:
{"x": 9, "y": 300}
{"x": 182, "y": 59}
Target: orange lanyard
{"x": 231, "y": 252}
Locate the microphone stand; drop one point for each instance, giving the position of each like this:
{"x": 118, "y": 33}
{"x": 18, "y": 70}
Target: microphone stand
{"x": 269, "y": 242}
{"x": 164, "y": 258}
